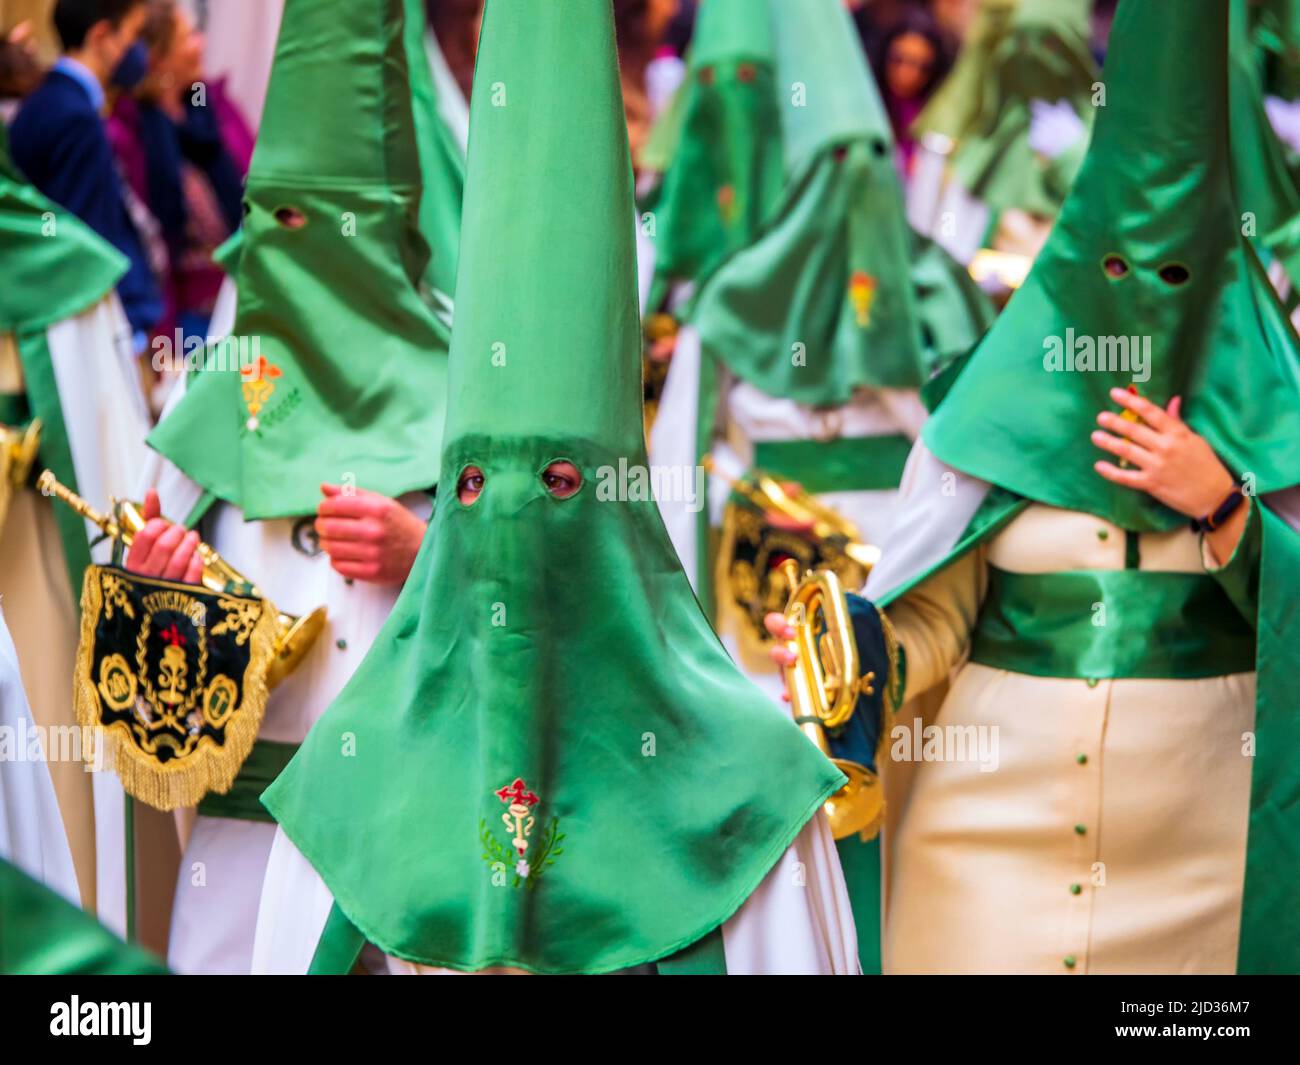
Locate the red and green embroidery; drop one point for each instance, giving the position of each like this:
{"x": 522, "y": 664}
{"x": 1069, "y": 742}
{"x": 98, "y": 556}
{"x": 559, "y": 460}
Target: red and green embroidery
{"x": 519, "y": 820}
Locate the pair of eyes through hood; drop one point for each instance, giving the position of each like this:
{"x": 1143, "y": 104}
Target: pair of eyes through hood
{"x": 561, "y": 478}
{"x": 1173, "y": 274}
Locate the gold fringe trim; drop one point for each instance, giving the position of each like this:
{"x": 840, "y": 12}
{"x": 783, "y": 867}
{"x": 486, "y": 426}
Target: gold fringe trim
{"x": 210, "y": 767}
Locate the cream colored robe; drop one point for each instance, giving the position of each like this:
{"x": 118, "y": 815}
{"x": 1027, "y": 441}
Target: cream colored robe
{"x": 1136, "y": 791}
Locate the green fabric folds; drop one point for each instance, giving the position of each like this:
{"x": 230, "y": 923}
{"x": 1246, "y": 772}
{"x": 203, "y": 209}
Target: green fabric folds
{"x": 1052, "y": 625}
{"x": 843, "y": 464}
{"x": 344, "y": 364}
{"x": 54, "y": 265}
{"x": 42, "y": 934}
{"x": 1266, "y": 188}
{"x": 557, "y": 766}
{"x": 1195, "y": 313}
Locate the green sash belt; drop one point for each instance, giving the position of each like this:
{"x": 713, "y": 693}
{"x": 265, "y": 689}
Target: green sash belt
{"x": 243, "y": 801}
{"x": 1110, "y": 624}
{"x": 844, "y": 464}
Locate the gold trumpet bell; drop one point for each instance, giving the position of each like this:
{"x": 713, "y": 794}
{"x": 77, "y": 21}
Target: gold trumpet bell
{"x": 855, "y": 809}
{"x": 294, "y": 639}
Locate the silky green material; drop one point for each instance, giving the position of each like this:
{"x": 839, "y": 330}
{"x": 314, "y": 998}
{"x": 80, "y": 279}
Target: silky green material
{"x": 1045, "y": 55}
{"x": 1155, "y": 192}
{"x": 442, "y": 164}
{"x": 1266, "y": 189}
{"x": 545, "y": 647}
{"x": 43, "y": 934}
{"x": 356, "y": 358}
{"x": 726, "y": 170}
{"x": 1048, "y": 625}
{"x": 54, "y": 265}
{"x": 822, "y": 302}
{"x": 841, "y": 464}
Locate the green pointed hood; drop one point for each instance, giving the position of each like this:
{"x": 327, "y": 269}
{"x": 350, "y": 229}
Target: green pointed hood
{"x": 1266, "y": 190}
{"x": 345, "y": 365}
{"x": 558, "y": 767}
{"x": 442, "y": 164}
{"x": 725, "y": 175}
{"x": 54, "y": 265}
{"x": 1154, "y": 193}
{"x": 822, "y": 302}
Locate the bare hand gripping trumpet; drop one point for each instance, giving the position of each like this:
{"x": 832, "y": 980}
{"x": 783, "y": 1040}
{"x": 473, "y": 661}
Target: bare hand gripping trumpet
{"x": 294, "y": 635}
{"x": 824, "y": 685}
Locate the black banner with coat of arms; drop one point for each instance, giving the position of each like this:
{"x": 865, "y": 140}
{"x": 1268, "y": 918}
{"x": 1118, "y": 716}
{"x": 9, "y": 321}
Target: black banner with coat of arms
{"x": 173, "y": 678}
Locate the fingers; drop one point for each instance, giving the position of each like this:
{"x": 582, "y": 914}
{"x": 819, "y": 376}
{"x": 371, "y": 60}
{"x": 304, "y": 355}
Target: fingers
{"x": 352, "y": 550}
{"x": 155, "y": 562}
{"x": 179, "y": 564}
{"x": 1124, "y": 449}
{"x": 1175, "y": 408}
{"x": 1135, "y": 431}
{"x": 152, "y": 507}
{"x": 357, "y": 571}
{"x": 142, "y": 546}
{"x": 194, "y": 572}
{"x": 1143, "y": 408}
{"x": 360, "y": 529}
{"x": 360, "y": 505}
{"x": 1128, "y": 478}
{"x": 776, "y": 625}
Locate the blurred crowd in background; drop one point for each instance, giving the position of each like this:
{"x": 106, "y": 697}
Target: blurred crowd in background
{"x": 159, "y": 173}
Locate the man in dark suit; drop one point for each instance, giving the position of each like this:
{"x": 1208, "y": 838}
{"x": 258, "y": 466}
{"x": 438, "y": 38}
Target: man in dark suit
{"x": 59, "y": 142}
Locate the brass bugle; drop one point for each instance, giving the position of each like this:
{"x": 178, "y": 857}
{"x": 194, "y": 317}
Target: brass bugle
{"x": 827, "y": 525}
{"x": 294, "y": 635}
{"x": 824, "y": 684}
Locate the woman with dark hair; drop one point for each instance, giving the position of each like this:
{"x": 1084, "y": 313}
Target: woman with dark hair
{"x": 912, "y": 60}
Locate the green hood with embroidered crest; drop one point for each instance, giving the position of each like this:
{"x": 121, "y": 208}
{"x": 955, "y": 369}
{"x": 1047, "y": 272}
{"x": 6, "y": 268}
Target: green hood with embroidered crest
{"x": 336, "y": 367}
{"x": 1147, "y": 280}
{"x": 558, "y": 767}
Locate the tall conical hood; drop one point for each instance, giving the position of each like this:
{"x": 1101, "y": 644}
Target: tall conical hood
{"x": 1145, "y": 279}
{"x": 828, "y": 93}
{"x": 54, "y": 266}
{"x": 538, "y": 349}
{"x": 345, "y": 365}
{"x": 725, "y": 175}
{"x": 558, "y": 767}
